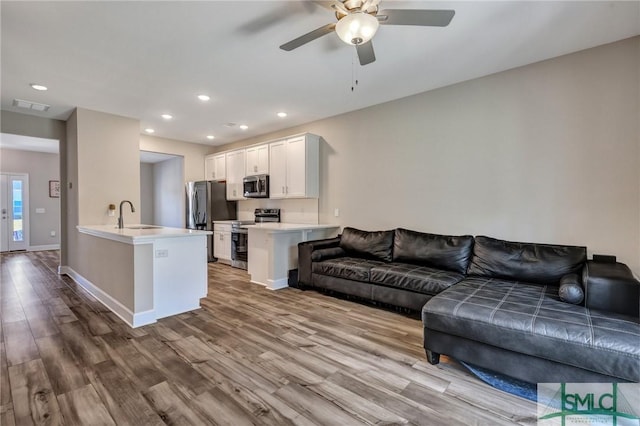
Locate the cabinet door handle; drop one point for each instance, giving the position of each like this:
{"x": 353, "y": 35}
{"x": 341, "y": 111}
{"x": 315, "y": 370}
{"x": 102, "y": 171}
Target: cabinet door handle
{"x": 283, "y": 189}
{"x": 221, "y": 237}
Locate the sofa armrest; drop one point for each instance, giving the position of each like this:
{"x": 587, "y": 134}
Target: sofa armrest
{"x": 305, "y": 250}
{"x": 611, "y": 287}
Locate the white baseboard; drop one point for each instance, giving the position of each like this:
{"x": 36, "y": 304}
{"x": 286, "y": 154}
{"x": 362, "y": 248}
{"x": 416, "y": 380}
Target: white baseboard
{"x": 277, "y": 284}
{"x": 44, "y": 248}
{"x": 132, "y": 319}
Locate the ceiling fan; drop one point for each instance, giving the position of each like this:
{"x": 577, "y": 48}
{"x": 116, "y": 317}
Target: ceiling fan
{"x": 358, "y": 21}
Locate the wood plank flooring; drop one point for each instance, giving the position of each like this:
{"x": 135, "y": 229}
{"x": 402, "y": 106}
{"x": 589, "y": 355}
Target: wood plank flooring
{"x": 250, "y": 356}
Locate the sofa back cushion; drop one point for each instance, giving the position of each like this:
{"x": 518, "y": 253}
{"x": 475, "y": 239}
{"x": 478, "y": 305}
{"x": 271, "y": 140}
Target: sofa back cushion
{"x": 535, "y": 263}
{"x": 371, "y": 245}
{"x": 439, "y": 251}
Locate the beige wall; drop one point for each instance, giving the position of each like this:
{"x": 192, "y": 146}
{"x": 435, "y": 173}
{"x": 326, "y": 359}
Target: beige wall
{"x": 108, "y": 166}
{"x": 107, "y": 265}
{"x": 41, "y": 167}
{"x": 549, "y": 152}
{"x": 103, "y": 160}
{"x": 30, "y": 125}
{"x": 193, "y": 153}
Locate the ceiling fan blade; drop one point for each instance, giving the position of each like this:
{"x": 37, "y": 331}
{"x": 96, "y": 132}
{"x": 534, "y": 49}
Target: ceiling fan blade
{"x": 367, "y": 4}
{"x": 310, "y": 36}
{"x": 365, "y": 53}
{"x": 422, "y": 17}
{"x": 337, "y": 5}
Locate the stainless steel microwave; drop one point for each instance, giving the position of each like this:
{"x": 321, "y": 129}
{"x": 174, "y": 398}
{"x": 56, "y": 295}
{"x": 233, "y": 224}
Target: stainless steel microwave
{"x": 256, "y": 186}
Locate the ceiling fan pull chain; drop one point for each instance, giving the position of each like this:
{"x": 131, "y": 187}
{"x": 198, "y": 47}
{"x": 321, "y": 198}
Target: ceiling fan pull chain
{"x": 354, "y": 72}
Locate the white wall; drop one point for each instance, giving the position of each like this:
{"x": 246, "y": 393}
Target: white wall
{"x": 549, "y": 152}
{"x": 192, "y": 153}
{"x": 146, "y": 193}
{"x": 162, "y": 196}
{"x": 169, "y": 193}
{"x": 41, "y": 168}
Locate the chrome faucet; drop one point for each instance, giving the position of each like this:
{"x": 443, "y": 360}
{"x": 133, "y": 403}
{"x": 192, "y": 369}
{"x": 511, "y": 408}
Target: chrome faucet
{"x": 120, "y": 218}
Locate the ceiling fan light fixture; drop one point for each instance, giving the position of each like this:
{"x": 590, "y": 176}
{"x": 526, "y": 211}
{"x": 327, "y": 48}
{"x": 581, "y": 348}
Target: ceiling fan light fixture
{"x": 357, "y": 28}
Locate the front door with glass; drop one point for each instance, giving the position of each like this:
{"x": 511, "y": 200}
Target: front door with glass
{"x": 14, "y": 212}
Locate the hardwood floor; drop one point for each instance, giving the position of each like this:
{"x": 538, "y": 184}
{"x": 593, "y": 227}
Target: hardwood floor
{"x": 249, "y": 356}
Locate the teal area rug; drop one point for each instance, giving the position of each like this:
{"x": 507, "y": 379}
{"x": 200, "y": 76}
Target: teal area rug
{"x": 504, "y": 383}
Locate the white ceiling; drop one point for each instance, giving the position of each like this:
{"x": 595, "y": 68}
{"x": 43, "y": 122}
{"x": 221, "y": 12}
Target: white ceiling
{"x": 143, "y": 59}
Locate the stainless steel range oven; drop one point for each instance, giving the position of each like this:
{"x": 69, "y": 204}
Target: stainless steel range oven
{"x": 239, "y": 246}
{"x": 239, "y": 236}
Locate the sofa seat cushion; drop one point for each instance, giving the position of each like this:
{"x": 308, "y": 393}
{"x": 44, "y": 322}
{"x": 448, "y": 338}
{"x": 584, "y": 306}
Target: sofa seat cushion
{"x": 421, "y": 279}
{"x": 350, "y": 268}
{"x": 531, "y": 319}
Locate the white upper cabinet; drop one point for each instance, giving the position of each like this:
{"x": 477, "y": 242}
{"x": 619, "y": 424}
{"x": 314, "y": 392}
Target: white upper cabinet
{"x": 235, "y": 173}
{"x": 257, "y": 160}
{"x": 215, "y": 167}
{"x": 294, "y": 167}
{"x": 220, "y": 161}
{"x": 278, "y": 169}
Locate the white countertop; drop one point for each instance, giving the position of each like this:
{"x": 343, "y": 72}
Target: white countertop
{"x": 138, "y": 236}
{"x": 287, "y": 227}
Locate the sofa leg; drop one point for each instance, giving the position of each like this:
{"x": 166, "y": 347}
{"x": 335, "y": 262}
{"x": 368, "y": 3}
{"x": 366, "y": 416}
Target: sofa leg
{"x": 432, "y": 357}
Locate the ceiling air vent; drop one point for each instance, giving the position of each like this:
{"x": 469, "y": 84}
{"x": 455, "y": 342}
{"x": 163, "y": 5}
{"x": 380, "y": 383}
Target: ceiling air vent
{"x": 20, "y": 103}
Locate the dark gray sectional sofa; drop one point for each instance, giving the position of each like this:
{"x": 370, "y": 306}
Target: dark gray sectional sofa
{"x": 537, "y": 312}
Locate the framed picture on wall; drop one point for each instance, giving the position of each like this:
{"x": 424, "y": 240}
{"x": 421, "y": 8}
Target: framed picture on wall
{"x": 54, "y": 189}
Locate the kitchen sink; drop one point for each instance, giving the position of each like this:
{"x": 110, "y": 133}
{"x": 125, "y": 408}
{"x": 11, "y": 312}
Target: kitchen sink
{"x": 143, "y": 227}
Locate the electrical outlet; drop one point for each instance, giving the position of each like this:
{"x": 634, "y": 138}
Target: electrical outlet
{"x": 336, "y": 212}
{"x": 52, "y": 233}
{"x": 162, "y": 253}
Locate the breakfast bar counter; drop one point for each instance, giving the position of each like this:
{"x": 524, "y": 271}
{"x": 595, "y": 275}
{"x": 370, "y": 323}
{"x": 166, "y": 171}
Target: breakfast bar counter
{"x": 142, "y": 272}
{"x": 273, "y": 250}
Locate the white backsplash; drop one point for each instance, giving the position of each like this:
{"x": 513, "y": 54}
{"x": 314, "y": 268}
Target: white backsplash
{"x": 303, "y": 210}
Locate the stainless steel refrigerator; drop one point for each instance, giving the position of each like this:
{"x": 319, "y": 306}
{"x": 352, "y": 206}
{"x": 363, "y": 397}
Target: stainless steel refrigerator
{"x": 206, "y": 202}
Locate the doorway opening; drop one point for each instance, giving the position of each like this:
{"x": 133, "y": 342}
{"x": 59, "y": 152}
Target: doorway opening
{"x": 30, "y": 210}
{"x": 162, "y": 196}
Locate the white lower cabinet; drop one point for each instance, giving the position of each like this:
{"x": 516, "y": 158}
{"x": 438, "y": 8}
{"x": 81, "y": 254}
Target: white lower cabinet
{"x": 222, "y": 242}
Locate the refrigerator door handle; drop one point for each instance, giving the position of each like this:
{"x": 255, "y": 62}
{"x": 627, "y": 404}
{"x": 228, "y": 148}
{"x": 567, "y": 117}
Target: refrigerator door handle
{"x": 191, "y": 203}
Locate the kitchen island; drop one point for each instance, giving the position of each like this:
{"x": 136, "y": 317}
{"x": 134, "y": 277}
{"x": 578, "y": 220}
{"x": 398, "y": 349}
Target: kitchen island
{"x": 273, "y": 250}
{"x": 141, "y": 272}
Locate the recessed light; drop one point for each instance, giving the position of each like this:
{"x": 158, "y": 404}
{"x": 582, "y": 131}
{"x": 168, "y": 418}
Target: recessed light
{"x": 211, "y": 137}
{"x": 38, "y": 87}
{"x": 149, "y": 130}
{"x": 244, "y": 127}
{"x": 203, "y": 98}
{"x": 282, "y": 114}
{"x": 167, "y": 116}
